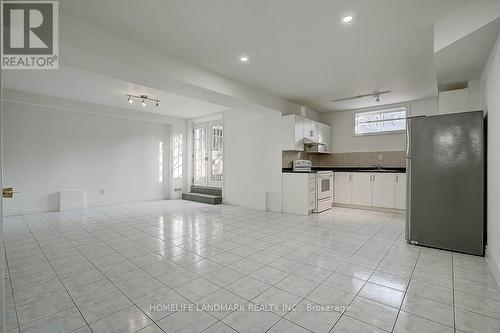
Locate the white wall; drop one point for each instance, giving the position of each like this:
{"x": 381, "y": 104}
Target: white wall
{"x": 345, "y": 142}
{"x": 466, "y": 18}
{"x": 252, "y": 158}
{"x": 475, "y": 101}
{"x": 461, "y": 100}
{"x": 491, "y": 88}
{"x": 47, "y": 150}
{"x": 305, "y": 112}
{"x": 454, "y": 101}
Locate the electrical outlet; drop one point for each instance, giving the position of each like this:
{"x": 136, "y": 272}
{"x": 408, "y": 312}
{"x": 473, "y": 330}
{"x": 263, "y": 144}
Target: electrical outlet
{"x": 380, "y": 157}
{"x": 178, "y": 189}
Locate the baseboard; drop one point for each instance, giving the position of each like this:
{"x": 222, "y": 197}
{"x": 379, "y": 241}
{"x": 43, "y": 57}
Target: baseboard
{"x": 493, "y": 265}
{"x": 239, "y": 203}
{"x": 376, "y": 209}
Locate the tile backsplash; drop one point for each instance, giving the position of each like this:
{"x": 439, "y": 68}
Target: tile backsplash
{"x": 389, "y": 159}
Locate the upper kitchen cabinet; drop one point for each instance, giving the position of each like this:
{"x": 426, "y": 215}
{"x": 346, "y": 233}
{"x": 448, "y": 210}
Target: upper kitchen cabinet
{"x": 325, "y": 136}
{"x": 292, "y": 133}
{"x": 311, "y": 130}
{"x": 295, "y": 129}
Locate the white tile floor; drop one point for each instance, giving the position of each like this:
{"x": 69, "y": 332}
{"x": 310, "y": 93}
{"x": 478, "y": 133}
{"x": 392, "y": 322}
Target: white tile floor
{"x": 100, "y": 270}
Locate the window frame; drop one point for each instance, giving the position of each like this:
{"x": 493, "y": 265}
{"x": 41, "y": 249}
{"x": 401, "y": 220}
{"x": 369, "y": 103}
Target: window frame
{"x": 380, "y": 110}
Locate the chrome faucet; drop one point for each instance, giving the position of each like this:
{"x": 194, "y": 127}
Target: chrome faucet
{"x": 377, "y": 166}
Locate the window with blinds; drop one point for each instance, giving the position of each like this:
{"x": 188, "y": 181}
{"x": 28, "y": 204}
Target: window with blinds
{"x": 380, "y": 121}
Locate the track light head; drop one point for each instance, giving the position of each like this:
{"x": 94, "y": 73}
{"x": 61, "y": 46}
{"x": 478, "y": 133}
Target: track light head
{"x": 130, "y": 100}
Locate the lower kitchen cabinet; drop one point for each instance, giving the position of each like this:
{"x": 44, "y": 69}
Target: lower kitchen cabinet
{"x": 384, "y": 190}
{"x": 361, "y": 189}
{"x": 400, "y": 191}
{"x": 342, "y": 187}
{"x": 378, "y": 190}
{"x": 299, "y": 193}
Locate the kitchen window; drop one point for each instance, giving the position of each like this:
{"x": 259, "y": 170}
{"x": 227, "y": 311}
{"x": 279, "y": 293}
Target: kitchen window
{"x": 380, "y": 122}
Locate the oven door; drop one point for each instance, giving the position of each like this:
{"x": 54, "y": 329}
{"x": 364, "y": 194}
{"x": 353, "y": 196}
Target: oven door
{"x": 325, "y": 185}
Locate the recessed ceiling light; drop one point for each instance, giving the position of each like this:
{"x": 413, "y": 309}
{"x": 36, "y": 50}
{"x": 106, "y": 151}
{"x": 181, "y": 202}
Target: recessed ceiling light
{"x": 244, "y": 58}
{"x": 347, "y": 19}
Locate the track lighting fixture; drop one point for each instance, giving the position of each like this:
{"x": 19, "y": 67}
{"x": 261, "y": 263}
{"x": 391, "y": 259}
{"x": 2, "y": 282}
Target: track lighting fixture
{"x": 144, "y": 99}
{"x": 375, "y": 94}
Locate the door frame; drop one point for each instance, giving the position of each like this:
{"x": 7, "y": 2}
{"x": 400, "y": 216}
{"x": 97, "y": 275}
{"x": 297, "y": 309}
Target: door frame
{"x": 2, "y": 254}
{"x": 210, "y": 124}
{"x": 207, "y": 123}
{"x": 193, "y": 178}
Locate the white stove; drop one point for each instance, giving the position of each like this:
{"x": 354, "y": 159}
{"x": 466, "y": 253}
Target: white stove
{"x": 323, "y": 185}
{"x": 324, "y": 191}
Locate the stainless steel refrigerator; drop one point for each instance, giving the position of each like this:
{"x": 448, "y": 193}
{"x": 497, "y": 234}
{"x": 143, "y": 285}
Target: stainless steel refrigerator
{"x": 445, "y": 159}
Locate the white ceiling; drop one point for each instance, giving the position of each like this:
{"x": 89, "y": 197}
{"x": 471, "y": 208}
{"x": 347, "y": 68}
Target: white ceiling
{"x": 88, "y": 87}
{"x": 298, "y": 50}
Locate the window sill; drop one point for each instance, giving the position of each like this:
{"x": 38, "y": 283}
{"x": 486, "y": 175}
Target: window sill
{"x": 380, "y": 133}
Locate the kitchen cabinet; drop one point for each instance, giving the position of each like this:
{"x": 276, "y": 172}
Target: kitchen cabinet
{"x": 325, "y": 136}
{"x": 299, "y": 193}
{"x": 294, "y": 129}
{"x": 342, "y": 188}
{"x": 362, "y": 189}
{"x": 292, "y": 133}
{"x": 384, "y": 190}
{"x": 371, "y": 189}
{"x": 311, "y": 130}
{"x": 400, "y": 201}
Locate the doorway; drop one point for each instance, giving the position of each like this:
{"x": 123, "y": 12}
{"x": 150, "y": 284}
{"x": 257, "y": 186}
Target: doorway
{"x": 208, "y": 154}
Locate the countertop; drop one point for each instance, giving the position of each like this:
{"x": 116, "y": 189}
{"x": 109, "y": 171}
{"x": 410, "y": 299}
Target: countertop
{"x": 351, "y": 169}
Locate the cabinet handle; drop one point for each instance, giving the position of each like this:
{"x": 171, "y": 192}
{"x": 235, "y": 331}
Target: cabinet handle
{"x": 397, "y": 179}
{"x": 373, "y": 178}
{"x": 350, "y": 177}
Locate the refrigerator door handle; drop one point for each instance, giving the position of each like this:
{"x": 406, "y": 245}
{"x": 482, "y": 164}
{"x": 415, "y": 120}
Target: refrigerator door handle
{"x": 408, "y": 212}
{"x": 408, "y": 125}
{"x": 408, "y": 201}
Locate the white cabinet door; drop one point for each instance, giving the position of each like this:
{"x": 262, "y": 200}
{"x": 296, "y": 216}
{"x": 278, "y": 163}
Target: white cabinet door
{"x": 328, "y": 139}
{"x": 315, "y": 126}
{"x": 342, "y": 188}
{"x": 361, "y": 189}
{"x": 292, "y": 133}
{"x": 325, "y": 136}
{"x": 384, "y": 190}
{"x": 400, "y": 191}
{"x": 311, "y": 129}
{"x": 308, "y": 129}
